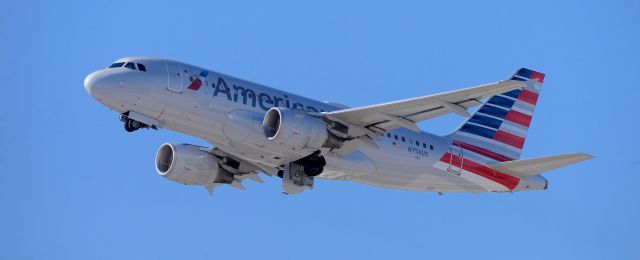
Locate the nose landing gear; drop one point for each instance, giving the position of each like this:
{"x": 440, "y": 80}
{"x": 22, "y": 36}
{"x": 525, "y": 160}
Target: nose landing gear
{"x": 131, "y": 125}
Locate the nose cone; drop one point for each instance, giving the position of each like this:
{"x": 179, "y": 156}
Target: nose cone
{"x": 94, "y": 84}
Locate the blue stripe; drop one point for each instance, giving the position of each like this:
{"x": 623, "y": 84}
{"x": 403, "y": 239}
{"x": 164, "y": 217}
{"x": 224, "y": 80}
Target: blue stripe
{"x": 493, "y": 111}
{"x": 501, "y": 101}
{"x": 478, "y": 130}
{"x": 525, "y": 73}
{"x": 486, "y": 121}
{"x": 204, "y": 73}
{"x": 513, "y": 93}
{"x": 518, "y": 79}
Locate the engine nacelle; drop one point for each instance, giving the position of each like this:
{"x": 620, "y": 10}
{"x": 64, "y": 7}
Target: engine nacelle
{"x": 190, "y": 165}
{"x": 298, "y": 130}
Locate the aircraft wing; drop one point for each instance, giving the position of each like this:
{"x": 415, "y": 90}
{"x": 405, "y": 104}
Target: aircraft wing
{"x": 374, "y": 119}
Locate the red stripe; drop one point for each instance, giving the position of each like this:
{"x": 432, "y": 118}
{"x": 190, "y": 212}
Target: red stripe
{"x": 510, "y": 182}
{"x": 508, "y": 138}
{"x": 482, "y": 151}
{"x": 519, "y": 118}
{"x": 537, "y": 75}
{"x": 528, "y": 96}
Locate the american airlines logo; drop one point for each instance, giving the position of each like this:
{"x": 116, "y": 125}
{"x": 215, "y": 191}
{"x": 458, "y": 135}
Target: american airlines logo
{"x": 197, "y": 82}
{"x": 248, "y": 96}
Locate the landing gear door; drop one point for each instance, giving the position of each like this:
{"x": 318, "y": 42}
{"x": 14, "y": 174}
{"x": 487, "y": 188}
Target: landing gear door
{"x": 294, "y": 180}
{"x": 174, "y": 77}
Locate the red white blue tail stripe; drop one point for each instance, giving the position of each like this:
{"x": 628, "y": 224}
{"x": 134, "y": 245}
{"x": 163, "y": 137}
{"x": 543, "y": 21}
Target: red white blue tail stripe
{"x": 502, "y": 123}
{"x": 496, "y": 132}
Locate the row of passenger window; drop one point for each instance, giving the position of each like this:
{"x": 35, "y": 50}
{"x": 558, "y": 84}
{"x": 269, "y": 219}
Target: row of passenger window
{"x": 129, "y": 65}
{"x": 417, "y": 143}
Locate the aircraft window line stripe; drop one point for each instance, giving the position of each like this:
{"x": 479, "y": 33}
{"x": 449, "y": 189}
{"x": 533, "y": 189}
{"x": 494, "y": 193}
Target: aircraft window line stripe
{"x": 510, "y": 182}
{"x": 486, "y": 121}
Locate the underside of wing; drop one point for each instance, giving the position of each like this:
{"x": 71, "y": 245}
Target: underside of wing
{"x": 405, "y": 113}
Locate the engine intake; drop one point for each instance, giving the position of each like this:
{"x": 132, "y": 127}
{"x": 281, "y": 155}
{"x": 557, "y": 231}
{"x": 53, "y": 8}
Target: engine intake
{"x": 190, "y": 165}
{"x": 298, "y": 130}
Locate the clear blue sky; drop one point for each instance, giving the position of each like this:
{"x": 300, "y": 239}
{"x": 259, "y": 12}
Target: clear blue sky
{"x": 75, "y": 185}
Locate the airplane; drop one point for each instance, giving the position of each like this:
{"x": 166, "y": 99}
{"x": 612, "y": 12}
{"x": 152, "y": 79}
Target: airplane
{"x": 257, "y": 129}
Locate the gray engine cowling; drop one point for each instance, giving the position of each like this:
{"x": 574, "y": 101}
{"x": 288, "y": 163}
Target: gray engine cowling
{"x": 190, "y": 165}
{"x": 298, "y": 130}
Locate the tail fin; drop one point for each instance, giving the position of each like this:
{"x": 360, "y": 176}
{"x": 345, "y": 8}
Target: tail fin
{"x": 499, "y": 127}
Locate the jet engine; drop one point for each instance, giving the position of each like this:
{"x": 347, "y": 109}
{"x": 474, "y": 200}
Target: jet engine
{"x": 190, "y": 165}
{"x": 296, "y": 129}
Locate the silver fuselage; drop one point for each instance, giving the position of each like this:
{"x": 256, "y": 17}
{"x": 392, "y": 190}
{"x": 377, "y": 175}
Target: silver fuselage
{"x": 227, "y": 112}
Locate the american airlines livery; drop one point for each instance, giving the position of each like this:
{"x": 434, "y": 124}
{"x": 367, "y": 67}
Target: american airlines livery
{"x": 254, "y": 129}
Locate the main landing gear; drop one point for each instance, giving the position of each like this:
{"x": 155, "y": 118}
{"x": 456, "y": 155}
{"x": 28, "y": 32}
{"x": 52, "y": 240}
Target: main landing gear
{"x": 298, "y": 176}
{"x": 131, "y": 125}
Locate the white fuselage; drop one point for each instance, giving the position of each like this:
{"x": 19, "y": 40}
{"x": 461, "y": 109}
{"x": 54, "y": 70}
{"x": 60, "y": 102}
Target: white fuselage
{"x": 228, "y": 112}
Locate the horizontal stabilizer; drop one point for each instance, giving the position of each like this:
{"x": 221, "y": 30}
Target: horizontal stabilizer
{"x": 531, "y": 167}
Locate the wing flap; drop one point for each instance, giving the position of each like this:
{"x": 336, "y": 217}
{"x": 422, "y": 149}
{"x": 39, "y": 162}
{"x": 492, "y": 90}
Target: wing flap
{"x": 531, "y": 167}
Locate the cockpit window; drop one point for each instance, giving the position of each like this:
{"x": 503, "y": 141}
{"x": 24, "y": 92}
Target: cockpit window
{"x": 116, "y": 65}
{"x": 142, "y": 67}
{"x": 130, "y": 65}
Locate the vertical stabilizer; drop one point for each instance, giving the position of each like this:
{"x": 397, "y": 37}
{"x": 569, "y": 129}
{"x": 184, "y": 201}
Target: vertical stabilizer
{"x": 498, "y": 129}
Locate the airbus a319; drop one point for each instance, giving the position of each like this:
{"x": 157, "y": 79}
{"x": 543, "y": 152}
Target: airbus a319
{"x": 257, "y": 129}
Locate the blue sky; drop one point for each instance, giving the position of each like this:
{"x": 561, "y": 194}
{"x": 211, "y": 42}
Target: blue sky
{"x": 74, "y": 185}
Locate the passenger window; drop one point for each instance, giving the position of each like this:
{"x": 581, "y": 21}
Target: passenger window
{"x": 403, "y": 139}
{"x": 395, "y": 137}
{"x": 142, "y": 67}
{"x": 388, "y": 135}
{"x": 431, "y": 147}
{"x": 130, "y": 65}
{"x": 116, "y": 65}
{"x": 424, "y": 145}
{"x": 417, "y": 143}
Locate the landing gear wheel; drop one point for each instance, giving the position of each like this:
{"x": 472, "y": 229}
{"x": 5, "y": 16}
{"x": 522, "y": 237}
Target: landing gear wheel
{"x": 131, "y": 125}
